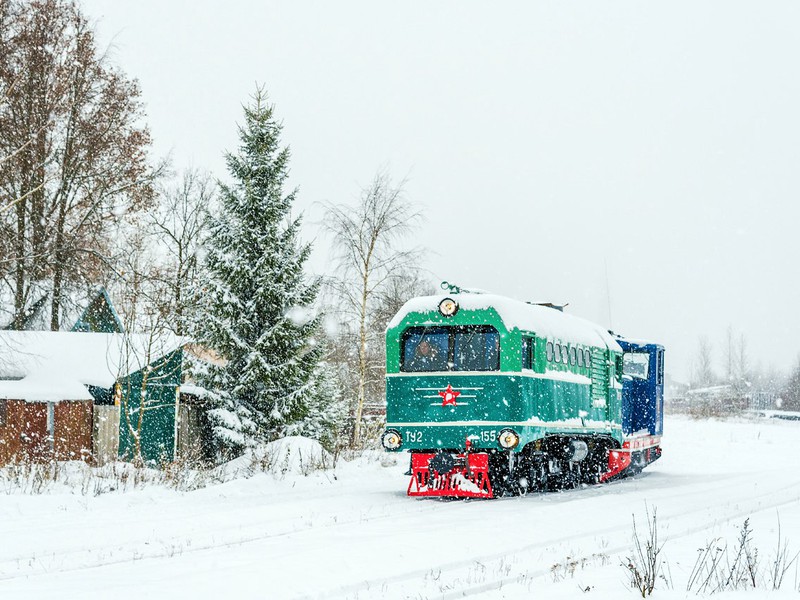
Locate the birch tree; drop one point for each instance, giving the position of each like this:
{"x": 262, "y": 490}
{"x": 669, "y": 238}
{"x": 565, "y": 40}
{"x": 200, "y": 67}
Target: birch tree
{"x": 367, "y": 254}
{"x": 147, "y": 354}
{"x": 179, "y": 227}
{"x": 703, "y": 366}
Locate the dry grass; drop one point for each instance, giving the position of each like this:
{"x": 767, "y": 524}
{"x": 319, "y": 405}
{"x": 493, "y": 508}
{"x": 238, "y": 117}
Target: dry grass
{"x": 720, "y": 567}
{"x": 645, "y": 564}
{"x": 184, "y": 474}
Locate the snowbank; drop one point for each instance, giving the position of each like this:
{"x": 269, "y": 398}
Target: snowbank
{"x": 295, "y": 455}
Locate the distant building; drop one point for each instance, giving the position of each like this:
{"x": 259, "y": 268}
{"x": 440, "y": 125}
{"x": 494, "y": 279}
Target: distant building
{"x": 89, "y": 393}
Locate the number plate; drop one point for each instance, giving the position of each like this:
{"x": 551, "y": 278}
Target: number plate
{"x": 413, "y": 437}
{"x": 488, "y": 436}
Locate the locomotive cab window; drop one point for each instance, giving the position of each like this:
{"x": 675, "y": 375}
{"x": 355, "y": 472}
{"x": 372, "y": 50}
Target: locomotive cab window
{"x": 476, "y": 349}
{"x": 468, "y": 348}
{"x": 527, "y": 352}
{"x": 636, "y": 364}
{"x": 426, "y": 349}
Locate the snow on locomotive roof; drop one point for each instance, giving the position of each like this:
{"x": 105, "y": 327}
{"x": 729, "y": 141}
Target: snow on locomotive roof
{"x": 541, "y": 320}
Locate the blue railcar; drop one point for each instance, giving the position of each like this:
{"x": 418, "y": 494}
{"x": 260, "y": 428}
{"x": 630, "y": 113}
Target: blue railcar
{"x": 642, "y": 387}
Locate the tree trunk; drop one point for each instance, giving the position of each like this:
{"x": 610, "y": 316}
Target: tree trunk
{"x": 58, "y": 268}
{"x": 19, "y": 275}
{"x": 362, "y": 360}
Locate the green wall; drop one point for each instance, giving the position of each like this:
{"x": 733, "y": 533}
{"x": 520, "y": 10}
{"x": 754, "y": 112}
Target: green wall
{"x": 158, "y": 422}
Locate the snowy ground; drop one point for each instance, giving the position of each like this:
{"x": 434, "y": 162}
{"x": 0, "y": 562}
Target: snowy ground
{"x": 355, "y": 534}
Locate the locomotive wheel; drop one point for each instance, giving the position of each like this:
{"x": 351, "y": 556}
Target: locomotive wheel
{"x": 500, "y": 476}
{"x": 536, "y": 472}
{"x": 547, "y": 470}
{"x": 525, "y": 476}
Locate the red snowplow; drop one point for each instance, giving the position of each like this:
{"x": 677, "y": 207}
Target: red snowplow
{"x": 453, "y": 476}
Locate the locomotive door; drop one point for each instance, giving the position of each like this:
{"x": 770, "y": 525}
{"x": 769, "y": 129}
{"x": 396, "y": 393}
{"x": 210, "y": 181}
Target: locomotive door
{"x": 600, "y": 380}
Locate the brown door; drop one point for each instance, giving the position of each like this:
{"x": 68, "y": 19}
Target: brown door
{"x": 34, "y": 442}
{"x": 73, "y": 430}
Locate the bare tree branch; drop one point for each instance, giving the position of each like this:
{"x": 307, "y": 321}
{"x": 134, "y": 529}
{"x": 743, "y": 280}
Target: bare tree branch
{"x": 366, "y": 238}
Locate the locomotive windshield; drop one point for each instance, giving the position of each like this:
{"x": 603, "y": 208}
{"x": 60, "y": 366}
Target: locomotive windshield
{"x": 462, "y": 348}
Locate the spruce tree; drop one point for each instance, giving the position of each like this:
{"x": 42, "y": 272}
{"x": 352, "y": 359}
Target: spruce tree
{"x": 257, "y": 306}
{"x": 791, "y": 395}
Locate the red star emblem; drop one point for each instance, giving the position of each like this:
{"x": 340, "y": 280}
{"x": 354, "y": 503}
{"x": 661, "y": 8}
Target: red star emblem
{"x": 449, "y": 396}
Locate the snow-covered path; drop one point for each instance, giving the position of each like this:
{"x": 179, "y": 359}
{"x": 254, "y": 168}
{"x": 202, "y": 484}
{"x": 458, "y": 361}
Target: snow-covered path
{"x": 359, "y": 536}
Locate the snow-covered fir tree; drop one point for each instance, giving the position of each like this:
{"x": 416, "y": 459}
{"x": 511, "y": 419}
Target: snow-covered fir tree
{"x": 791, "y": 394}
{"x": 326, "y": 418}
{"x": 257, "y": 307}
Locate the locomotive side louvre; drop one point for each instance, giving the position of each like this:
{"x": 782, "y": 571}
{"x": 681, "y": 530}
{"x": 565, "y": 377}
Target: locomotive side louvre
{"x": 501, "y": 392}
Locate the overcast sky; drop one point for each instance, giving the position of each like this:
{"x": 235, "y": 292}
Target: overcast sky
{"x": 546, "y": 143}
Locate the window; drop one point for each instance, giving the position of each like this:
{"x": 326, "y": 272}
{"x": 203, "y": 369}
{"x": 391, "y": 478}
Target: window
{"x": 477, "y": 349}
{"x": 636, "y": 364}
{"x": 527, "y": 352}
{"x": 587, "y": 358}
{"x": 557, "y": 352}
{"x": 426, "y": 349}
{"x": 549, "y": 351}
{"x": 3, "y": 412}
{"x": 430, "y": 349}
{"x": 660, "y": 372}
{"x": 580, "y": 358}
{"x": 573, "y": 359}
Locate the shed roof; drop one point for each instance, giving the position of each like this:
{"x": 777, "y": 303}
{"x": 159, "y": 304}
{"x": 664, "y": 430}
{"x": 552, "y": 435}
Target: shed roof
{"x": 541, "y": 320}
{"x": 58, "y": 365}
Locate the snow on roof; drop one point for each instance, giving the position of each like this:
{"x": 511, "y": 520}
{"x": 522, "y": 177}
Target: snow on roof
{"x": 58, "y": 365}
{"x": 541, "y": 320}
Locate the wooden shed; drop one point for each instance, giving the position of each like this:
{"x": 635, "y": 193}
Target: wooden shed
{"x": 43, "y": 431}
{"x": 84, "y": 395}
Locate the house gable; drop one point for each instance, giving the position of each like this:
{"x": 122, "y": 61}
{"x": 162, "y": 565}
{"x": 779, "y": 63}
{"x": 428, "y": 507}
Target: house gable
{"x": 99, "y": 316}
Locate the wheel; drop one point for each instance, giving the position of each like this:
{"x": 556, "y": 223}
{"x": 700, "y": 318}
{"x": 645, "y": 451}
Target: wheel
{"x": 500, "y": 476}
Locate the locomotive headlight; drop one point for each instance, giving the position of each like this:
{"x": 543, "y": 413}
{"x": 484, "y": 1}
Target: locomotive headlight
{"x": 391, "y": 439}
{"x": 508, "y": 439}
{"x": 448, "y": 307}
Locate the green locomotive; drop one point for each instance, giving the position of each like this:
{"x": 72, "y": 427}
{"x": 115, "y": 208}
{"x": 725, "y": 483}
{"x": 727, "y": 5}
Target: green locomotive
{"x": 493, "y": 396}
